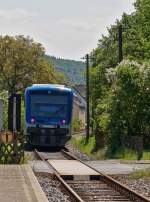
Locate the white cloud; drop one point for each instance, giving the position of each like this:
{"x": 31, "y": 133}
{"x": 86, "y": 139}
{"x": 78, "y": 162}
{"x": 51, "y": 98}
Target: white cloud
{"x": 67, "y": 28}
{"x": 17, "y": 13}
{"x": 80, "y": 24}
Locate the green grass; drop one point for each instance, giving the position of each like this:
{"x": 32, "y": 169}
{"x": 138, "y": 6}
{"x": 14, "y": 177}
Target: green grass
{"x": 125, "y": 154}
{"x": 146, "y": 155}
{"x": 88, "y": 148}
{"x": 145, "y": 173}
{"x": 100, "y": 154}
{"x": 128, "y": 154}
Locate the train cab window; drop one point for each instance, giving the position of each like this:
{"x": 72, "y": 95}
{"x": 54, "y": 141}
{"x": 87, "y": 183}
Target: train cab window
{"x": 48, "y": 106}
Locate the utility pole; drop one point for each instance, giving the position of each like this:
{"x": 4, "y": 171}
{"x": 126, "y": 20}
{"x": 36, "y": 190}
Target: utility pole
{"x": 87, "y": 99}
{"x": 120, "y": 43}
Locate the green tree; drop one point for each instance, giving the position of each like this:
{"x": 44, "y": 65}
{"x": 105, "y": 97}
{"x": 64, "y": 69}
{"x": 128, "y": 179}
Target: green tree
{"x": 98, "y": 87}
{"x": 22, "y": 63}
{"x": 127, "y": 90}
{"x": 136, "y": 46}
{"x": 136, "y": 39}
{"x": 125, "y": 111}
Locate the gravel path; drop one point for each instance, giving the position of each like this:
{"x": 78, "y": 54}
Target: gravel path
{"x": 52, "y": 188}
{"x": 141, "y": 185}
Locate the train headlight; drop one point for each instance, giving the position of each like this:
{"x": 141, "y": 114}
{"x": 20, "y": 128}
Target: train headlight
{"x": 63, "y": 121}
{"x": 32, "y": 120}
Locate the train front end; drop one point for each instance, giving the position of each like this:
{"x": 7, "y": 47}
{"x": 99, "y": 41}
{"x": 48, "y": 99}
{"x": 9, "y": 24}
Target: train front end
{"x": 48, "y": 115}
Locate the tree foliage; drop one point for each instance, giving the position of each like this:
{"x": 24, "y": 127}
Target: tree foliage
{"x": 126, "y": 111}
{"x": 136, "y": 38}
{"x": 73, "y": 70}
{"x": 120, "y": 93}
{"x": 22, "y": 63}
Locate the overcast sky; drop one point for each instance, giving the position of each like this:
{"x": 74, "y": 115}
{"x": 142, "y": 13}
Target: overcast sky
{"x": 66, "y": 28}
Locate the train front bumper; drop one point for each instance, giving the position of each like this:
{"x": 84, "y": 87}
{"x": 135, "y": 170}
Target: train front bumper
{"x": 53, "y": 137}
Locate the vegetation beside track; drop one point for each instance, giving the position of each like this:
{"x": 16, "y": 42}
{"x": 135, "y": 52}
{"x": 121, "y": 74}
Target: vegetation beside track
{"x": 88, "y": 148}
{"x": 101, "y": 154}
{"x": 144, "y": 173}
{"x": 120, "y": 93}
{"x": 77, "y": 125}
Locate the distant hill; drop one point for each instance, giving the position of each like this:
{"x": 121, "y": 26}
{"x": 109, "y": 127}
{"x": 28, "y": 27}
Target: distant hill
{"x": 73, "y": 70}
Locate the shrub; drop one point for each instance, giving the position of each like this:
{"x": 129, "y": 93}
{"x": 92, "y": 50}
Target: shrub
{"x": 77, "y": 125}
{"x": 125, "y": 111}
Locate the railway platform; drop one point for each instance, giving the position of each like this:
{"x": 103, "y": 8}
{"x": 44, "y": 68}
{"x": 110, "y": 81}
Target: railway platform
{"x": 18, "y": 184}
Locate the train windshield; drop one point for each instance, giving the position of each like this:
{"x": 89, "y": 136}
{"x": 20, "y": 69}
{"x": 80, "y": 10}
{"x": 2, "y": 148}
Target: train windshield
{"x": 49, "y": 106}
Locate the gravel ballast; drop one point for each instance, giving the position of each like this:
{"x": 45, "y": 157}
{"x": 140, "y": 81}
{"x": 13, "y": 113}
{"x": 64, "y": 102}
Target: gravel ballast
{"x": 52, "y": 188}
{"x": 140, "y": 185}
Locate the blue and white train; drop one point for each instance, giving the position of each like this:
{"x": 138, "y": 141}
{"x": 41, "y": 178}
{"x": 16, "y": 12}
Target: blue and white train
{"x": 48, "y": 114}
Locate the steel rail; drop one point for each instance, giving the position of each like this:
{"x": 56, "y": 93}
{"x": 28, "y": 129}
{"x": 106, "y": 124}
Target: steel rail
{"x": 112, "y": 182}
{"x": 56, "y": 174}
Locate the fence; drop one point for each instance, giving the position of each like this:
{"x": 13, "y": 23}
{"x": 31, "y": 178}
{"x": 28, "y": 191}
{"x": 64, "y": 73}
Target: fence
{"x": 11, "y": 147}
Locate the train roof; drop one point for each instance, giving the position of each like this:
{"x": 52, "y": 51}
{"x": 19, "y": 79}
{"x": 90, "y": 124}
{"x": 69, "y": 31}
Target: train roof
{"x": 58, "y": 87}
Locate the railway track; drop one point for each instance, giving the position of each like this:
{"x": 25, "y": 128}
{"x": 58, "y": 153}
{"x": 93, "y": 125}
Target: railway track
{"x": 96, "y": 187}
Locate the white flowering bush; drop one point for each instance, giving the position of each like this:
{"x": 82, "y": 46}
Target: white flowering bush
{"x": 125, "y": 109}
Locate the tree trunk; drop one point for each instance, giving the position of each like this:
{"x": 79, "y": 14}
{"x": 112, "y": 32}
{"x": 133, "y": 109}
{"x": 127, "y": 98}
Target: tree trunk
{"x": 99, "y": 138}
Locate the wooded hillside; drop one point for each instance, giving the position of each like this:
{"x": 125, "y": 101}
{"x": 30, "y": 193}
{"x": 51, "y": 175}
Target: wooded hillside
{"x": 73, "y": 70}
